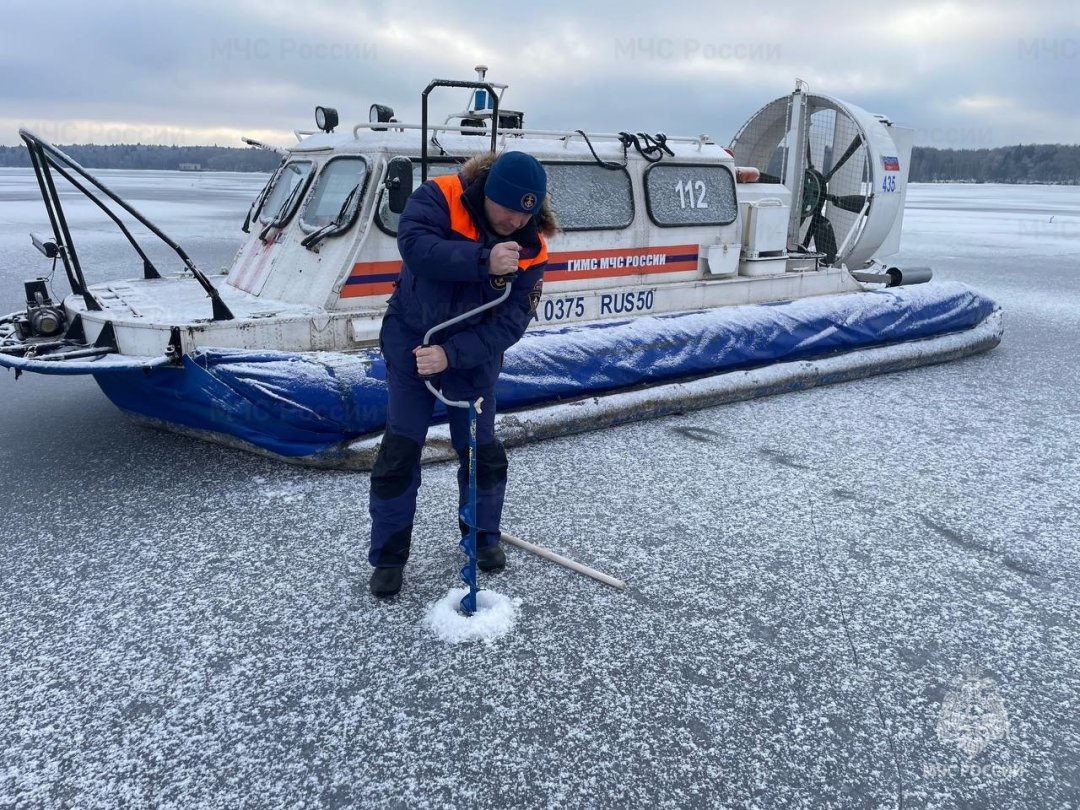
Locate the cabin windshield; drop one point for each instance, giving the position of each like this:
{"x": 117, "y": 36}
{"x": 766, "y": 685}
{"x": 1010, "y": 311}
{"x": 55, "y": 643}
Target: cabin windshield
{"x": 284, "y": 196}
{"x": 337, "y": 194}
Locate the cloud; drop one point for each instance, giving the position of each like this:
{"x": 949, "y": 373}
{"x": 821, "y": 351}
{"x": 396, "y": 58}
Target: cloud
{"x": 960, "y": 73}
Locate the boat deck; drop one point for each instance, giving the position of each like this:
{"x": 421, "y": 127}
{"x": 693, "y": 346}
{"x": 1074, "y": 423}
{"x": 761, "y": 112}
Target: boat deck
{"x": 177, "y": 300}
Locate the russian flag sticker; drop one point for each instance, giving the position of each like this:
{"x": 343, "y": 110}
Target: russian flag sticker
{"x": 890, "y": 163}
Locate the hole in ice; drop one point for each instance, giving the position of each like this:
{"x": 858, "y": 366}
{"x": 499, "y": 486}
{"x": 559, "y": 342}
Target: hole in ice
{"x": 494, "y": 617}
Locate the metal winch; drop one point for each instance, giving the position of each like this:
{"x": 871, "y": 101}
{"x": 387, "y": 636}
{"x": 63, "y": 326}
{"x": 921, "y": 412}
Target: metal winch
{"x": 43, "y": 318}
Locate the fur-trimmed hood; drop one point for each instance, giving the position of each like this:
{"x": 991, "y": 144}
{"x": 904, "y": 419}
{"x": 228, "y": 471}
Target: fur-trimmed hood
{"x": 475, "y": 166}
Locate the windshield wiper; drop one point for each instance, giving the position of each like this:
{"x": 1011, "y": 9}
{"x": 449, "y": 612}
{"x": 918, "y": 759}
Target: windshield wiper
{"x": 286, "y": 205}
{"x": 257, "y": 204}
{"x": 311, "y": 241}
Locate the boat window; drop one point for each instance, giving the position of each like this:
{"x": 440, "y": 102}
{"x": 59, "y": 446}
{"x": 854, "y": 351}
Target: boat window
{"x": 336, "y": 196}
{"x": 386, "y": 219}
{"x": 690, "y": 195}
{"x": 285, "y": 195}
{"x": 586, "y": 196}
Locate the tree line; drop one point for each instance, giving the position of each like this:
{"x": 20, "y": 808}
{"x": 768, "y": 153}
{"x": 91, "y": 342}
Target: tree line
{"x": 146, "y": 156}
{"x": 1030, "y": 163}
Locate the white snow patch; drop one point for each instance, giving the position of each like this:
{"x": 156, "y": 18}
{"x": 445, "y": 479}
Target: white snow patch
{"x": 494, "y": 617}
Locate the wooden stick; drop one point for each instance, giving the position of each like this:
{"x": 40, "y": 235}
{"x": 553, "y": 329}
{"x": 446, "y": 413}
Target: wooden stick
{"x": 540, "y": 551}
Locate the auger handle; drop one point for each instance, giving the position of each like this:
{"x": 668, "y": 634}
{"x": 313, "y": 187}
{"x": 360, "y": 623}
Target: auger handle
{"x": 457, "y": 319}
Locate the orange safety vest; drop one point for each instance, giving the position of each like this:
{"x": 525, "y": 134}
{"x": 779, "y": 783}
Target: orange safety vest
{"x": 461, "y": 221}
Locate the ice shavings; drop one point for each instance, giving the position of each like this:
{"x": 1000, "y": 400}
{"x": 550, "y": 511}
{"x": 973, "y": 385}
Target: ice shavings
{"x": 494, "y": 617}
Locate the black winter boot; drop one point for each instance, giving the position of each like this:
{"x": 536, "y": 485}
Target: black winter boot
{"x": 490, "y": 559}
{"x": 385, "y": 582}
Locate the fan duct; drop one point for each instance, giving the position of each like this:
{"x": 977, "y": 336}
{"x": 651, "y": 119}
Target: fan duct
{"x": 846, "y": 170}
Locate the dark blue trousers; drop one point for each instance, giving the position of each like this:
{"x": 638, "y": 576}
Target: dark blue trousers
{"x": 395, "y": 477}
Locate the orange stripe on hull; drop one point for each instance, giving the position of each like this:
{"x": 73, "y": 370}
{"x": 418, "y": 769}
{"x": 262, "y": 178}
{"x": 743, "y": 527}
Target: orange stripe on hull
{"x": 362, "y": 281}
{"x": 375, "y": 268}
{"x": 364, "y": 290}
{"x": 363, "y": 270}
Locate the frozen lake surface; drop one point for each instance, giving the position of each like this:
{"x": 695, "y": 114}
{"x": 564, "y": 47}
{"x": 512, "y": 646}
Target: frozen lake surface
{"x": 810, "y": 579}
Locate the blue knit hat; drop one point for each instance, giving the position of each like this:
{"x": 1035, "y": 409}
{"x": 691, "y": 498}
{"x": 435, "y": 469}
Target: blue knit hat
{"x": 517, "y": 181}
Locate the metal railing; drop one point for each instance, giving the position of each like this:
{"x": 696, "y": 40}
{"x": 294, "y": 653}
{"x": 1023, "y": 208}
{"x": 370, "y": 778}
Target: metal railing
{"x": 46, "y": 159}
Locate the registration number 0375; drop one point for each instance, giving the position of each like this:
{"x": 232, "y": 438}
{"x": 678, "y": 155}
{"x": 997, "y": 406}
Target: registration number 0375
{"x": 561, "y": 309}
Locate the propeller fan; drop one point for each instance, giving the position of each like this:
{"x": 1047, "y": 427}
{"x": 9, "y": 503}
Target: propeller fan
{"x": 815, "y": 194}
{"x": 845, "y": 169}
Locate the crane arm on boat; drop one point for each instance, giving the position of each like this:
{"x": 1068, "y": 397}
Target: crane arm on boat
{"x": 45, "y": 158}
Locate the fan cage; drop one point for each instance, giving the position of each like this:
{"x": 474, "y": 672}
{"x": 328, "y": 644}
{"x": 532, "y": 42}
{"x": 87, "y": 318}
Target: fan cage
{"x": 828, "y": 132}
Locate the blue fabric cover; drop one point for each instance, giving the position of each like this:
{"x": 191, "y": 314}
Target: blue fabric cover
{"x": 301, "y": 404}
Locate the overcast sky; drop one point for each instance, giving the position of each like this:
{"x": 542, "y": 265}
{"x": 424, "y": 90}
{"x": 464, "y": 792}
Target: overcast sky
{"x": 962, "y": 74}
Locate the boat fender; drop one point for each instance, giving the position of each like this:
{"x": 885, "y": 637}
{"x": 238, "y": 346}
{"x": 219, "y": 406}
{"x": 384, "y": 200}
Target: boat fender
{"x": 747, "y": 174}
{"x": 899, "y": 276}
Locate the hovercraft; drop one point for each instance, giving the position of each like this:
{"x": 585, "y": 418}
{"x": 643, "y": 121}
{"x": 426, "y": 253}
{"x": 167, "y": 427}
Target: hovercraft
{"x": 686, "y": 274}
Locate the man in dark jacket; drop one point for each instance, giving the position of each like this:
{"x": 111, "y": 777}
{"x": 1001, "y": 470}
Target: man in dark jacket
{"x": 461, "y": 237}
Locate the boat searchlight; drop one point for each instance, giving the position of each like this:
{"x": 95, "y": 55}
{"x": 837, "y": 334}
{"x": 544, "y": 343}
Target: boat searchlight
{"x": 380, "y": 114}
{"x": 326, "y": 118}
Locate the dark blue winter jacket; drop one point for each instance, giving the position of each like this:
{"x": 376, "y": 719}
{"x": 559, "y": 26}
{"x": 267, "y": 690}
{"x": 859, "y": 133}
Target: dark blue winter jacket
{"x": 445, "y": 240}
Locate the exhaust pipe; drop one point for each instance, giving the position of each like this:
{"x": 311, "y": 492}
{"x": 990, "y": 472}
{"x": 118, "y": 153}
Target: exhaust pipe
{"x": 895, "y": 276}
{"x": 908, "y": 275}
